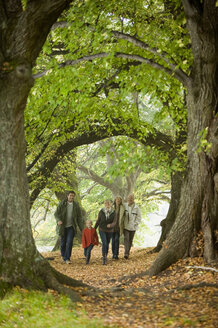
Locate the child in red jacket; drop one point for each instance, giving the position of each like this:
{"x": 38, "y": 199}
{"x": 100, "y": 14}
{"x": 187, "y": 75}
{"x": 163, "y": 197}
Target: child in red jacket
{"x": 89, "y": 239}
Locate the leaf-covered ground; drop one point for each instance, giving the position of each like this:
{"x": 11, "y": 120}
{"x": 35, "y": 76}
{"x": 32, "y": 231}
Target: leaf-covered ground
{"x": 181, "y": 296}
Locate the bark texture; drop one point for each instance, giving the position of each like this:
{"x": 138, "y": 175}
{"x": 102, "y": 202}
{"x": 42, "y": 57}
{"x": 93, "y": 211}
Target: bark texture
{"x": 23, "y": 33}
{"x": 198, "y": 203}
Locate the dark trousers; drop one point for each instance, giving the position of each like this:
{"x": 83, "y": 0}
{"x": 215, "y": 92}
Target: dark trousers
{"x": 105, "y": 238}
{"x": 115, "y": 243}
{"x": 128, "y": 238}
{"x": 87, "y": 252}
{"x": 67, "y": 243}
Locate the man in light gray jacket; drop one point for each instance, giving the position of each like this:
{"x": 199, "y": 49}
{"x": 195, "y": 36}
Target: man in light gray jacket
{"x": 131, "y": 222}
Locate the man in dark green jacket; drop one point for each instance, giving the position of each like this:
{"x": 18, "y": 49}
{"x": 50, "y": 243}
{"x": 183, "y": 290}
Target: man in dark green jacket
{"x": 68, "y": 217}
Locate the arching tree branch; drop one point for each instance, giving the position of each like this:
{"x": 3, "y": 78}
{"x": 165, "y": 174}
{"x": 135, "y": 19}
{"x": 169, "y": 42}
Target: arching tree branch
{"x": 177, "y": 73}
{"x": 157, "y": 139}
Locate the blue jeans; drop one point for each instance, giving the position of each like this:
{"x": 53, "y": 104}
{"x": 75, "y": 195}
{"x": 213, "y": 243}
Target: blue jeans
{"x": 87, "y": 252}
{"x": 105, "y": 238}
{"x": 115, "y": 243}
{"x": 67, "y": 243}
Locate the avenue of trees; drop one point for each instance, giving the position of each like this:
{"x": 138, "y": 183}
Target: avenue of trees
{"x": 86, "y": 71}
{"x": 104, "y": 169}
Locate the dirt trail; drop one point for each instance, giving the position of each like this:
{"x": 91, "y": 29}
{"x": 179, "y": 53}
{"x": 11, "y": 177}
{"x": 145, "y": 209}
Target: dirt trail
{"x": 178, "y": 297}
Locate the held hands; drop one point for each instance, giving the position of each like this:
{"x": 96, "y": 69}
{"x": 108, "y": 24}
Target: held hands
{"x": 60, "y": 222}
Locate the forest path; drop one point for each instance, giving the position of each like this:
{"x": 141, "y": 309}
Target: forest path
{"x": 179, "y": 297}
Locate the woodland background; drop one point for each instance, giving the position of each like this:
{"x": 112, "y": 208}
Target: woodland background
{"x": 109, "y": 98}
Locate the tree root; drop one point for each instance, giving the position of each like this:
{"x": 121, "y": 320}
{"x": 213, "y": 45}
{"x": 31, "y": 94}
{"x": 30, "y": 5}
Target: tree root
{"x": 4, "y": 288}
{"x": 43, "y": 277}
{"x": 50, "y": 258}
{"x": 190, "y": 286}
{"x": 119, "y": 291}
{"x": 63, "y": 279}
{"x": 133, "y": 277}
{"x": 202, "y": 268}
{"x": 155, "y": 250}
{"x": 58, "y": 282}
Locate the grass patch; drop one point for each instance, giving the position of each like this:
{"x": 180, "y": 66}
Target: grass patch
{"x": 181, "y": 321}
{"x": 31, "y": 309}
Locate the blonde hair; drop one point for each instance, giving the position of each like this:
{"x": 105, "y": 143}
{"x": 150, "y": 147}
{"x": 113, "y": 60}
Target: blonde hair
{"x": 88, "y": 221}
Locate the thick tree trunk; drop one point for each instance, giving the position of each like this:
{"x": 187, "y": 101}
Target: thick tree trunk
{"x": 198, "y": 203}
{"x": 20, "y": 262}
{"x": 22, "y": 36}
{"x": 17, "y": 249}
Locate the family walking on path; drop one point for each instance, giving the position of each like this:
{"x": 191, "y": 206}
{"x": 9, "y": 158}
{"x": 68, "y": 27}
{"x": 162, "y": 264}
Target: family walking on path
{"x": 114, "y": 219}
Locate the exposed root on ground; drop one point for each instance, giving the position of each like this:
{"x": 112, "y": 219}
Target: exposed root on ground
{"x": 59, "y": 282}
{"x": 190, "y": 286}
{"x": 133, "y": 276}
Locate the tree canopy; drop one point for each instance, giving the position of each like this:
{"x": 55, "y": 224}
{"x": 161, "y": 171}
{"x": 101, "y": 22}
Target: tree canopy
{"x": 100, "y": 65}
{"x": 90, "y": 97}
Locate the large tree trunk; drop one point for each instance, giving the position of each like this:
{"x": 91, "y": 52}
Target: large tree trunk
{"x": 167, "y": 223}
{"x": 17, "y": 249}
{"x": 23, "y": 34}
{"x": 198, "y": 208}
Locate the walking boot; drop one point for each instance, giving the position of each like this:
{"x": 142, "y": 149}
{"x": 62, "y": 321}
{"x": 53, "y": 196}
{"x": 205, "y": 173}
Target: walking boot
{"x": 87, "y": 259}
{"x": 104, "y": 260}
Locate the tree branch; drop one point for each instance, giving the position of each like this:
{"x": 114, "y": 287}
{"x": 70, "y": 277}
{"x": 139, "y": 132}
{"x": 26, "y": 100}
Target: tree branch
{"x": 172, "y": 70}
{"x": 192, "y": 8}
{"x": 96, "y": 133}
{"x": 12, "y": 7}
{"x": 192, "y": 11}
{"x": 95, "y": 177}
{"x": 179, "y": 74}
{"x": 60, "y": 24}
{"x": 44, "y": 147}
{"x": 87, "y": 192}
{"x": 29, "y": 30}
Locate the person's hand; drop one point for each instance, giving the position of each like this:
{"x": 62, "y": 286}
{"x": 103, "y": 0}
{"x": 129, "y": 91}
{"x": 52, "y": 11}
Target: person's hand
{"x": 108, "y": 225}
{"x": 60, "y": 222}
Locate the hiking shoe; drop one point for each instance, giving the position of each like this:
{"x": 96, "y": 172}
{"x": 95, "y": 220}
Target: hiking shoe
{"x": 68, "y": 262}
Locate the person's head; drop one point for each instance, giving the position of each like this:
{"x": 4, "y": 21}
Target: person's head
{"x": 89, "y": 224}
{"x": 118, "y": 201}
{"x": 70, "y": 196}
{"x": 130, "y": 199}
{"x": 107, "y": 204}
